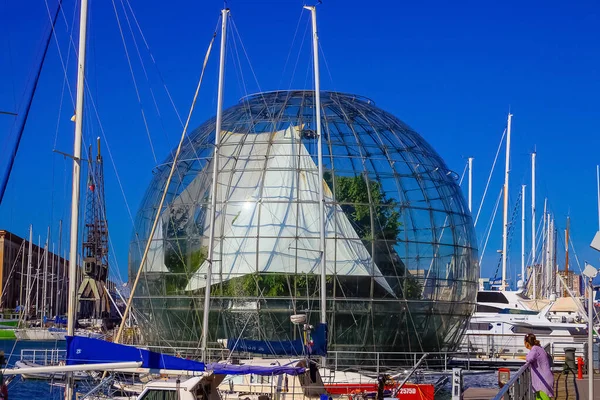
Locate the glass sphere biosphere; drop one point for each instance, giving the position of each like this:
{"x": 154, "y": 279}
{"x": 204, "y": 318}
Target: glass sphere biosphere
{"x": 400, "y": 249}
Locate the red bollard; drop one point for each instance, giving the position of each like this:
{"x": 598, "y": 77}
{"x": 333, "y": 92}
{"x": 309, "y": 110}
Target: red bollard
{"x": 579, "y": 368}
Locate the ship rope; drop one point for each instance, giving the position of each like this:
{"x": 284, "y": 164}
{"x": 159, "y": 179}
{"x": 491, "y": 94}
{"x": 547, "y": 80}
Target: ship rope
{"x": 490, "y": 225}
{"x": 511, "y": 228}
{"x": 165, "y": 192}
{"x": 135, "y": 85}
{"x": 490, "y": 177}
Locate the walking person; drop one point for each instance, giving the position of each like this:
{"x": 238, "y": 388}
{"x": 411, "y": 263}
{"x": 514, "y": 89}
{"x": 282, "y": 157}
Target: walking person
{"x": 542, "y": 378}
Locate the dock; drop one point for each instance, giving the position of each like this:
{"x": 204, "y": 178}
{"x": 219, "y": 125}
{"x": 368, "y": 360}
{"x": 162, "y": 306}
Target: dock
{"x": 568, "y": 388}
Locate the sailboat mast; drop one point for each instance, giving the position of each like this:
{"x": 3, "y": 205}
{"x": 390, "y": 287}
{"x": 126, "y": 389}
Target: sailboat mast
{"x": 533, "y": 227}
{"x": 21, "y": 278}
{"x": 567, "y": 255}
{"x": 313, "y": 12}
{"x": 522, "y": 236}
{"x": 52, "y": 276}
{"x": 470, "y": 184}
{"x": 45, "y": 287}
{"x": 548, "y": 270}
{"x": 29, "y": 261}
{"x": 505, "y": 217}
{"x": 213, "y": 199}
{"x": 598, "y": 188}
{"x": 37, "y": 278}
{"x": 75, "y": 189}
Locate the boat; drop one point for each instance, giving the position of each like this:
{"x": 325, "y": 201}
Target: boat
{"x": 502, "y": 319}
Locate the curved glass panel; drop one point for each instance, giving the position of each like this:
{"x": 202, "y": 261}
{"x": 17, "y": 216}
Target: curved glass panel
{"x": 401, "y": 253}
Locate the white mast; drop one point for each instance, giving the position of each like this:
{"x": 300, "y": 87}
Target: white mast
{"x": 29, "y": 261}
{"x": 213, "y": 199}
{"x": 52, "y": 275}
{"x": 470, "y": 184}
{"x": 548, "y": 254}
{"x": 505, "y": 219}
{"x": 598, "y": 185}
{"x": 523, "y": 236}
{"x": 313, "y": 11}
{"x": 75, "y": 189}
{"x": 544, "y": 247}
{"x": 533, "y": 227}
{"x": 21, "y": 280}
{"x": 554, "y": 269}
{"x": 37, "y": 278}
{"x": 45, "y": 287}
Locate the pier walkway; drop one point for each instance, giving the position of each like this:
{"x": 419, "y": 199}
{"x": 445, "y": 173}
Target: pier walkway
{"x": 566, "y": 389}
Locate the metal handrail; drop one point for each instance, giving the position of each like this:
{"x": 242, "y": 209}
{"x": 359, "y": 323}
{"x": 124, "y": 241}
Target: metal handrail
{"x": 512, "y": 381}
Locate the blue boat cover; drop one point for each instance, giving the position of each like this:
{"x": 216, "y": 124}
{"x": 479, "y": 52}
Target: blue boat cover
{"x": 284, "y": 348}
{"x": 281, "y": 348}
{"x": 82, "y": 350}
{"x": 230, "y": 369}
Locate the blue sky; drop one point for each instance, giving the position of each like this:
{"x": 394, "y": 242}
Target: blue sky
{"x": 450, "y": 70}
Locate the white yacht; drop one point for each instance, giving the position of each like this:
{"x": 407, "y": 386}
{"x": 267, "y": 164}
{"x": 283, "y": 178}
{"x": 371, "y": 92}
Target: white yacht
{"x": 502, "y": 319}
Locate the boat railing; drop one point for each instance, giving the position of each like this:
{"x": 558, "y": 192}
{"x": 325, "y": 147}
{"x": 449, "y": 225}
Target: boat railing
{"x": 481, "y": 347}
{"x": 518, "y": 387}
{"x": 372, "y": 363}
{"x": 44, "y": 356}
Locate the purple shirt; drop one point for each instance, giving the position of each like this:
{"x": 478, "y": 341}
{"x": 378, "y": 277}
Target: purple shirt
{"x": 542, "y": 377}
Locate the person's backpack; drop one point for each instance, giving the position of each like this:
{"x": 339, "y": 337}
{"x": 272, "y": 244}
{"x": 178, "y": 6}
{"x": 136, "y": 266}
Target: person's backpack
{"x": 550, "y": 358}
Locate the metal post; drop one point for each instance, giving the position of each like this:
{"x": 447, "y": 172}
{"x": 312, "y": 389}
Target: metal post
{"x": 213, "y": 200}
{"x": 457, "y": 384}
{"x": 313, "y": 11}
{"x": 533, "y": 227}
{"x": 75, "y": 190}
{"x": 505, "y": 218}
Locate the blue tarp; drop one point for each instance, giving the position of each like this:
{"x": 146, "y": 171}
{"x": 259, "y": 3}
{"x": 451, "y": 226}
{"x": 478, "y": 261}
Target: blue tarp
{"x": 285, "y": 347}
{"x": 82, "y": 350}
{"x": 229, "y": 369}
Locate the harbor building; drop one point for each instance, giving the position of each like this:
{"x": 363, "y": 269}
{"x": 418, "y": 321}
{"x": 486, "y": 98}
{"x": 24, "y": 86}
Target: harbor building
{"x": 40, "y": 285}
{"x": 47, "y": 286}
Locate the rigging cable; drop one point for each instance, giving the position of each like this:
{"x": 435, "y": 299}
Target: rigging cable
{"x": 22, "y": 117}
{"x": 490, "y": 176}
{"x": 164, "y": 195}
{"x": 510, "y": 231}
{"x": 291, "y": 48}
{"x": 137, "y": 92}
{"x": 491, "y": 224}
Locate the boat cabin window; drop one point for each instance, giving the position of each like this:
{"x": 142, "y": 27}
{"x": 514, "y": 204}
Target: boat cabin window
{"x": 475, "y": 326}
{"x": 491, "y": 297}
{"x": 536, "y": 330}
{"x": 518, "y": 312}
{"x": 157, "y": 394}
{"x": 490, "y": 309}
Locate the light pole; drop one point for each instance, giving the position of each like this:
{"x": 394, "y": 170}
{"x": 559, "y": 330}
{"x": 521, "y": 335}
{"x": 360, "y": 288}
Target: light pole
{"x": 590, "y": 272}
